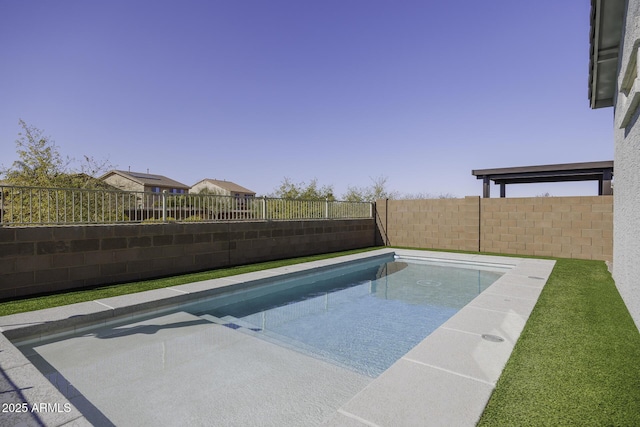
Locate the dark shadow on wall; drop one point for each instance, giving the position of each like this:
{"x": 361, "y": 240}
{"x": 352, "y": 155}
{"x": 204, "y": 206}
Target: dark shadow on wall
{"x": 382, "y": 239}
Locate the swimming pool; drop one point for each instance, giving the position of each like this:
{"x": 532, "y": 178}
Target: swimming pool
{"x": 220, "y": 361}
{"x": 363, "y": 316}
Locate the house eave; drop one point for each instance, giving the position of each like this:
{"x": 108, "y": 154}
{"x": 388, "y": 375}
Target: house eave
{"x": 607, "y": 18}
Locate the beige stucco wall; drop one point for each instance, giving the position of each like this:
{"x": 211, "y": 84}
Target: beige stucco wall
{"x": 123, "y": 183}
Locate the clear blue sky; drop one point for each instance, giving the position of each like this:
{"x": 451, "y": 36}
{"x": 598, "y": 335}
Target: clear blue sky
{"x": 253, "y": 91}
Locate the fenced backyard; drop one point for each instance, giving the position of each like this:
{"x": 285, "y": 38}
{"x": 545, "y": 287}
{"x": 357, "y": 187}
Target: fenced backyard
{"x": 23, "y": 206}
{"x": 53, "y": 239}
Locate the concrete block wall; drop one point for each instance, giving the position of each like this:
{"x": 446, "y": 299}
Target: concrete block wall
{"x": 36, "y": 260}
{"x": 568, "y": 227}
{"x": 430, "y": 223}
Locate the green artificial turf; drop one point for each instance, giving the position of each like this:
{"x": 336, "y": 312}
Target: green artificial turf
{"x": 59, "y": 299}
{"x": 577, "y": 362}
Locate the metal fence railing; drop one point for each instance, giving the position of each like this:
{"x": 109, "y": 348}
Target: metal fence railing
{"x": 38, "y": 206}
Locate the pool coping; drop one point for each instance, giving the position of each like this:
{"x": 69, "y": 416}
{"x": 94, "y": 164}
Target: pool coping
{"x": 450, "y": 386}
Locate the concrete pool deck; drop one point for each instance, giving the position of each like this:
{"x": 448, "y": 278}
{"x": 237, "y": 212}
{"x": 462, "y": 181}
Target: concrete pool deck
{"x": 447, "y": 379}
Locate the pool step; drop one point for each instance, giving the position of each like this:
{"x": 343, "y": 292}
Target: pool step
{"x": 231, "y": 322}
{"x": 275, "y": 338}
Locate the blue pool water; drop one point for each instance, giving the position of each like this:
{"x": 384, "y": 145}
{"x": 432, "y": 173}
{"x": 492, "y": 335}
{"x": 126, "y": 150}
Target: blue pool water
{"x": 363, "y": 317}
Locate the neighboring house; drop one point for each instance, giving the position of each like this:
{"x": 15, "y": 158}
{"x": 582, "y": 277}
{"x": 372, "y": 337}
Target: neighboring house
{"x": 613, "y": 82}
{"x": 138, "y": 181}
{"x": 224, "y": 188}
{"x": 84, "y": 181}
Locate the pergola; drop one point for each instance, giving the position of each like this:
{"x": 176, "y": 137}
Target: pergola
{"x": 591, "y": 171}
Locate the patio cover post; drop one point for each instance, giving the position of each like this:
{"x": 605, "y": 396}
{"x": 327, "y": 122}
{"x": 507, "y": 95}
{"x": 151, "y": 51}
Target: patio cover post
{"x": 486, "y": 187}
{"x": 604, "y": 184}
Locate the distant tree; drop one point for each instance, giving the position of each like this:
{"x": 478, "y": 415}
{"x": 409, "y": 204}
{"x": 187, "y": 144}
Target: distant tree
{"x": 446, "y": 196}
{"x": 90, "y": 170}
{"x": 377, "y": 190}
{"x": 547, "y": 194}
{"x": 40, "y": 164}
{"x": 417, "y": 196}
{"x": 311, "y": 199}
{"x": 312, "y": 191}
